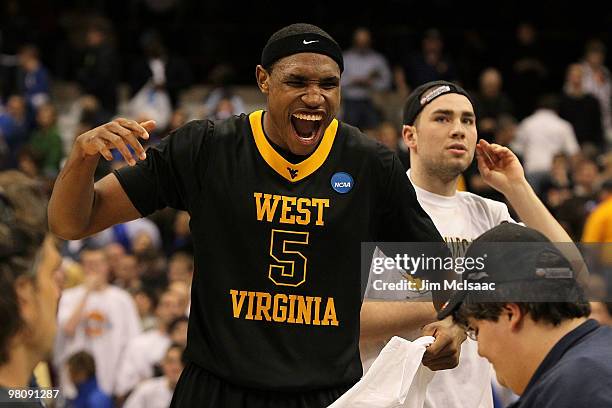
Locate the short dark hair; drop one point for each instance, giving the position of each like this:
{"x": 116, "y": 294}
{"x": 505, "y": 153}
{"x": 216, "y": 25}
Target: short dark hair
{"x": 84, "y": 362}
{"x": 548, "y": 101}
{"x": 23, "y": 226}
{"x": 150, "y": 293}
{"x": 184, "y": 257}
{"x": 180, "y": 348}
{"x": 548, "y": 312}
{"x": 595, "y": 45}
{"x": 176, "y": 322}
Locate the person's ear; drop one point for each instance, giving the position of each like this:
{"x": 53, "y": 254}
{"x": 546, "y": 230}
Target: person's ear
{"x": 514, "y": 316}
{"x": 263, "y": 79}
{"x": 26, "y": 300}
{"x": 409, "y": 135}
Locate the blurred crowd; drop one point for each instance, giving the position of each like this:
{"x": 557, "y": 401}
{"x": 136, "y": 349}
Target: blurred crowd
{"x": 123, "y": 311}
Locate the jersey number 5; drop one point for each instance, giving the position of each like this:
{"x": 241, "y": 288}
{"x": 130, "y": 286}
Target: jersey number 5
{"x": 289, "y": 268}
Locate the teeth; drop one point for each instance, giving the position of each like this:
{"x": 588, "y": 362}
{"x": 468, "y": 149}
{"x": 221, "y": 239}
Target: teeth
{"x": 304, "y": 116}
{"x": 312, "y": 135}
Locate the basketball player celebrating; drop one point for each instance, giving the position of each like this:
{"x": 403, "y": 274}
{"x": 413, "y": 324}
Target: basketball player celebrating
{"x": 280, "y": 201}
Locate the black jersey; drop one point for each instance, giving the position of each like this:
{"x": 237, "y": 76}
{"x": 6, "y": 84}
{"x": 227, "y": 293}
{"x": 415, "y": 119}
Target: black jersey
{"x": 276, "y": 292}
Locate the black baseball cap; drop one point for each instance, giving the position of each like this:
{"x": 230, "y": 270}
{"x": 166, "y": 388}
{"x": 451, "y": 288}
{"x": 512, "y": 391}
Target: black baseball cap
{"x": 516, "y": 256}
{"x": 425, "y": 94}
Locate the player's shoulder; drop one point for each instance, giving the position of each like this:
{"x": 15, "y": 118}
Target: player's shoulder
{"x": 230, "y": 127}
{"x": 193, "y": 129}
{"x": 359, "y": 143}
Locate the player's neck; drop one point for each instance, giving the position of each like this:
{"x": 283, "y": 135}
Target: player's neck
{"x": 17, "y": 371}
{"x": 272, "y": 132}
{"x": 432, "y": 183}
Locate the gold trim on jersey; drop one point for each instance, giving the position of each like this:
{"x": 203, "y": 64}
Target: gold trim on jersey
{"x": 292, "y": 172}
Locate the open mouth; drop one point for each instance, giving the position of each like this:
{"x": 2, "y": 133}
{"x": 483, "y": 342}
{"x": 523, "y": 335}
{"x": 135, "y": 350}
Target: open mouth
{"x": 307, "y": 126}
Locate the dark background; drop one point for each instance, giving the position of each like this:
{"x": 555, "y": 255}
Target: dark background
{"x": 207, "y": 33}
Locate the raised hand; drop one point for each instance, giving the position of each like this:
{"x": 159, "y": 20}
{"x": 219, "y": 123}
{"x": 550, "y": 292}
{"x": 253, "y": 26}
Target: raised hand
{"x": 117, "y": 134}
{"x": 498, "y": 166}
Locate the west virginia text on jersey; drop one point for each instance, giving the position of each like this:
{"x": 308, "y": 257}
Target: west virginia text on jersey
{"x": 267, "y": 205}
{"x": 283, "y": 308}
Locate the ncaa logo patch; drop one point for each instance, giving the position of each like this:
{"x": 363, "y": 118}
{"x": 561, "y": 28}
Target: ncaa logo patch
{"x": 342, "y": 182}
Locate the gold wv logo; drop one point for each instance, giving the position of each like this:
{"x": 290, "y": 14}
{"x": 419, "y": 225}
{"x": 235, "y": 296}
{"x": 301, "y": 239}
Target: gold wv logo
{"x": 292, "y": 172}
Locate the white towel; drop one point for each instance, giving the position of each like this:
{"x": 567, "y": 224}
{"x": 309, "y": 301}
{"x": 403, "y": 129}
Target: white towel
{"x": 380, "y": 388}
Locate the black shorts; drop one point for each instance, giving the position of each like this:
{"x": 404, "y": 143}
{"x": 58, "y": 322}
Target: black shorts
{"x": 199, "y": 388}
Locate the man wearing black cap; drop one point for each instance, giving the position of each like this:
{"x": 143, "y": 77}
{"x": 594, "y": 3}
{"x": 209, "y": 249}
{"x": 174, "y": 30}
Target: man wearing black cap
{"x": 280, "y": 201}
{"x": 533, "y": 327}
{"x": 440, "y": 130}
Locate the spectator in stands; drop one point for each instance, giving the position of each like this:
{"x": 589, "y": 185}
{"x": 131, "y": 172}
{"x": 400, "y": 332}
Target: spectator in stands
{"x": 365, "y": 72}
{"x": 585, "y": 178}
{"x": 33, "y": 78}
{"x": 183, "y": 291}
{"x": 95, "y": 317}
{"x": 221, "y": 79}
{"x": 157, "y": 392}
{"x": 224, "y": 108}
{"x": 178, "y": 330}
{"x": 542, "y": 135}
{"x": 151, "y": 260}
{"x": 146, "y": 303}
{"x": 46, "y": 141}
{"x": 29, "y": 295}
{"x": 557, "y": 186}
{"x": 82, "y": 370}
{"x": 597, "y": 81}
{"x": 388, "y": 135}
{"x": 13, "y": 128}
{"x": 147, "y": 349}
{"x": 98, "y": 72}
{"x": 91, "y": 111}
{"x": 127, "y": 272}
{"x": 598, "y": 226}
{"x": 491, "y": 102}
{"x": 581, "y": 109}
{"x": 178, "y": 119}
{"x": 430, "y": 64}
{"x": 180, "y": 268}
{"x": 182, "y": 240}
{"x": 114, "y": 252}
{"x": 573, "y": 212}
{"x": 159, "y": 67}
{"x": 528, "y": 70}
{"x": 28, "y": 162}
{"x": 126, "y": 234}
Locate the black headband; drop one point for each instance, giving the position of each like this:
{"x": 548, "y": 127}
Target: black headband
{"x": 424, "y": 94}
{"x": 297, "y": 43}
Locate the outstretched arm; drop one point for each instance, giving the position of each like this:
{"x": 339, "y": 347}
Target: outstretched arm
{"x": 380, "y": 320}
